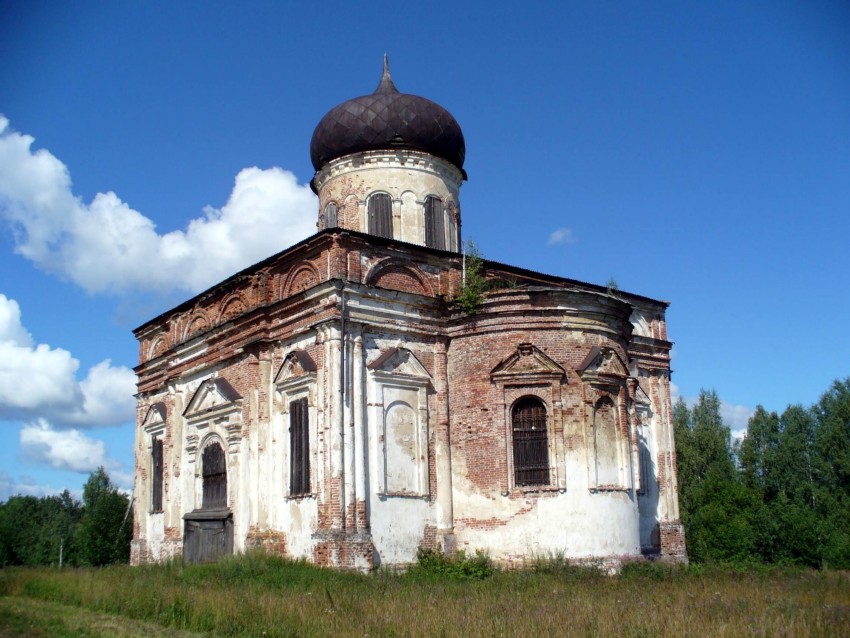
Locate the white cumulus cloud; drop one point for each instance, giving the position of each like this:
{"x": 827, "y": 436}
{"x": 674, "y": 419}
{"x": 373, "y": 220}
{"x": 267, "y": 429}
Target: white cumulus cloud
{"x": 32, "y": 377}
{"x": 107, "y": 247}
{"x": 108, "y": 396}
{"x": 11, "y": 328}
{"x": 37, "y": 381}
{"x": 561, "y": 236}
{"x": 62, "y": 449}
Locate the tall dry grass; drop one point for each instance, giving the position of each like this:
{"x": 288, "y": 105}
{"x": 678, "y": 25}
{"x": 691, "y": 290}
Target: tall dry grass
{"x": 256, "y": 595}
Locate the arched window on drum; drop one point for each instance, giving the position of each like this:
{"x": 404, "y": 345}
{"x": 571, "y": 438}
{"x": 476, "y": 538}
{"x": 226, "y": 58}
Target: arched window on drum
{"x": 331, "y": 215}
{"x": 380, "y": 212}
{"x": 435, "y": 223}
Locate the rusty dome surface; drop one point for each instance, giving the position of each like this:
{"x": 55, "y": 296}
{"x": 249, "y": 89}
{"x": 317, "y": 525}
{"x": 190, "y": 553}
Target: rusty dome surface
{"x": 386, "y": 120}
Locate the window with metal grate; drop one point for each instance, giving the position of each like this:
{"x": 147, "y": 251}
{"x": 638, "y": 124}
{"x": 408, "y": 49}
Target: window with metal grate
{"x": 530, "y": 442}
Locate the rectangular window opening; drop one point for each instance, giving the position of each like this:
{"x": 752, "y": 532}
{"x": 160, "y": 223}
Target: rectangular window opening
{"x": 435, "y": 227}
{"x": 156, "y": 492}
{"x": 299, "y": 448}
{"x": 381, "y": 215}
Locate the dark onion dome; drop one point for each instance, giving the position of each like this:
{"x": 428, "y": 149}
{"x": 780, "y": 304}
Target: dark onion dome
{"x": 387, "y": 120}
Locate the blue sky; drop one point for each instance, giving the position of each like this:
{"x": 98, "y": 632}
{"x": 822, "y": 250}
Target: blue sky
{"x": 695, "y": 152}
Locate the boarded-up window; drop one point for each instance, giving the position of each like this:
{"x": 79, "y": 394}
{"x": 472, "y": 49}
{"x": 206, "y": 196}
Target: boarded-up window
{"x": 381, "y": 215}
{"x": 435, "y": 226}
{"x": 331, "y": 215}
{"x": 299, "y": 448}
{"x": 214, "y": 469}
{"x": 156, "y": 488}
{"x": 605, "y": 442}
{"x": 530, "y": 442}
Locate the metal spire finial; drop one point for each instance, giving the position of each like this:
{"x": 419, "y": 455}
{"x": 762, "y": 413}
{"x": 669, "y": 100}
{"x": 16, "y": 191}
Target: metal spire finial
{"x": 386, "y": 84}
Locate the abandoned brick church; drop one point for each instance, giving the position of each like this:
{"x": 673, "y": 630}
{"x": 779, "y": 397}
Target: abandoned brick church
{"x": 332, "y": 402}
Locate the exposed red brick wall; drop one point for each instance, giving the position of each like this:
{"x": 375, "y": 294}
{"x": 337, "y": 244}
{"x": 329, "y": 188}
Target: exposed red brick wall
{"x": 273, "y": 542}
{"x": 398, "y": 277}
{"x": 478, "y": 406}
{"x": 345, "y": 551}
{"x": 673, "y": 540}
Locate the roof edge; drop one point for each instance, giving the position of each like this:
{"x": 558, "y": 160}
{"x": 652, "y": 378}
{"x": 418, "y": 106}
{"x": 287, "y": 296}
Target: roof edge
{"x": 487, "y": 263}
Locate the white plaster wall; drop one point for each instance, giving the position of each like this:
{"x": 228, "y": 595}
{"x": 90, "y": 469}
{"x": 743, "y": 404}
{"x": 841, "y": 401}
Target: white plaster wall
{"x": 296, "y": 517}
{"x": 572, "y": 525}
{"x": 397, "y": 521}
{"x": 152, "y": 525}
{"x": 575, "y": 523}
{"x": 154, "y": 531}
{"x": 238, "y": 469}
{"x": 398, "y": 526}
{"x": 649, "y": 499}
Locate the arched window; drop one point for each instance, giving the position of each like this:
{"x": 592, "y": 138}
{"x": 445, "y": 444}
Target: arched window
{"x": 331, "y": 215}
{"x": 214, "y": 470}
{"x": 605, "y": 443}
{"x": 380, "y": 210}
{"x": 435, "y": 225}
{"x": 530, "y": 442}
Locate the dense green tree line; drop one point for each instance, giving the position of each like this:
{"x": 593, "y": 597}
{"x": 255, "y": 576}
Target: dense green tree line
{"x": 60, "y": 530}
{"x": 780, "y": 495}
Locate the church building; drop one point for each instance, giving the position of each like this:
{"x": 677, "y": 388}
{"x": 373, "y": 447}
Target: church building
{"x": 335, "y": 402}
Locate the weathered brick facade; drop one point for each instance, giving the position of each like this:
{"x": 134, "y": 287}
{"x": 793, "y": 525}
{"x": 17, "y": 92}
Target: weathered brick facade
{"x": 396, "y": 298}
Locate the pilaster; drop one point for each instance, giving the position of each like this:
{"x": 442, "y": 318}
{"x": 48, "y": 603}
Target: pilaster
{"x": 443, "y": 461}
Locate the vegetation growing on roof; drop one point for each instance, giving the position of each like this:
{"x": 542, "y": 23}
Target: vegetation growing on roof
{"x": 475, "y": 284}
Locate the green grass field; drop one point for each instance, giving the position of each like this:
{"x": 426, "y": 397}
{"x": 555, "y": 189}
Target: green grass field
{"x": 257, "y": 595}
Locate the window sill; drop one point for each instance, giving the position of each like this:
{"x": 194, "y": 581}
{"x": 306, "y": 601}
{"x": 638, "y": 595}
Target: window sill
{"x": 411, "y": 495}
{"x": 534, "y": 490}
{"x": 608, "y": 488}
{"x": 301, "y": 497}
